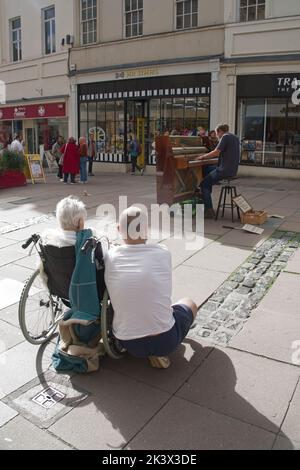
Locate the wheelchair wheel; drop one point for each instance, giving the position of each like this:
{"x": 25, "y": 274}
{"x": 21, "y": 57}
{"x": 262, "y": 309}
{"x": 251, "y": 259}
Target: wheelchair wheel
{"x": 110, "y": 344}
{"x": 39, "y": 311}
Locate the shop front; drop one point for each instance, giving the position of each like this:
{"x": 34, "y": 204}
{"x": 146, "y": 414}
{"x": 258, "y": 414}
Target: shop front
{"x": 40, "y": 124}
{"x": 268, "y": 120}
{"x": 111, "y": 112}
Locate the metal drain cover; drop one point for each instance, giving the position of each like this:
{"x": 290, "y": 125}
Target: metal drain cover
{"x": 48, "y": 398}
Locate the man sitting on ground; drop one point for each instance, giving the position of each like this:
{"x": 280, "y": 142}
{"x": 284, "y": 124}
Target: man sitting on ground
{"x": 139, "y": 281}
{"x": 228, "y": 152}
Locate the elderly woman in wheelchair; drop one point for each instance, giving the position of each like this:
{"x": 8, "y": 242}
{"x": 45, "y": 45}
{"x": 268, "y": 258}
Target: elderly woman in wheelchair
{"x": 138, "y": 276}
{"x": 68, "y": 291}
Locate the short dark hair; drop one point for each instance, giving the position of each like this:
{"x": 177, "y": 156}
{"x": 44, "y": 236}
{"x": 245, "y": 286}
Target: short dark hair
{"x": 223, "y": 128}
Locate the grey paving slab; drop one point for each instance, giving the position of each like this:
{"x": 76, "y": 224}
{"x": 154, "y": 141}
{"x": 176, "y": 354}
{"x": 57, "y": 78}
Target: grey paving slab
{"x": 293, "y": 264}
{"x": 6, "y": 414}
{"x": 269, "y": 333}
{"x": 10, "y": 292}
{"x": 283, "y": 297}
{"x": 13, "y": 271}
{"x": 239, "y": 238}
{"x": 10, "y": 314}
{"x": 8, "y": 255}
{"x": 4, "y": 243}
{"x": 26, "y": 361}
{"x": 10, "y": 336}
{"x": 183, "y": 363}
{"x": 282, "y": 443}
{"x": 291, "y": 424}
{"x": 291, "y": 226}
{"x": 20, "y": 434}
{"x": 184, "y": 425}
{"x": 218, "y": 257}
{"x": 179, "y": 251}
{"x": 195, "y": 283}
{"x": 117, "y": 410}
{"x": 252, "y": 389}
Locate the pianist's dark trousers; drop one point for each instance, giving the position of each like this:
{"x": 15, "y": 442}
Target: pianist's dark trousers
{"x": 206, "y": 187}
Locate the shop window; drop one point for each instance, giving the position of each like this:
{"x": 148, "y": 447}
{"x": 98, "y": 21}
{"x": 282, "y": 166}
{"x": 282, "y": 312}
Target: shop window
{"x": 166, "y": 115}
{"x": 269, "y": 130}
{"x": 252, "y": 10}
{"x": 88, "y": 21}
{"x": 16, "y": 39}
{"x": 101, "y": 127}
{"x": 203, "y": 105}
{"x": 186, "y": 14}
{"x": 110, "y": 127}
{"x": 133, "y": 18}
{"x": 49, "y": 30}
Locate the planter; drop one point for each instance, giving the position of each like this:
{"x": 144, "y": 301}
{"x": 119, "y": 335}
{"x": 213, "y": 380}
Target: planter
{"x": 12, "y": 179}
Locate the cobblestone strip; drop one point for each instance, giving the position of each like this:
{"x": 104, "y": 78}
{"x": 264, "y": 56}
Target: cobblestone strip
{"x": 225, "y": 313}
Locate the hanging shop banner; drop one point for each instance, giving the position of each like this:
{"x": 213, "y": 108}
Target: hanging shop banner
{"x": 35, "y": 166}
{"x": 33, "y": 111}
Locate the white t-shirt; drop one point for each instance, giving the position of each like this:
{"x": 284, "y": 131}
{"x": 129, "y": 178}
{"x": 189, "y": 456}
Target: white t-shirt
{"x": 16, "y": 146}
{"x": 139, "y": 282}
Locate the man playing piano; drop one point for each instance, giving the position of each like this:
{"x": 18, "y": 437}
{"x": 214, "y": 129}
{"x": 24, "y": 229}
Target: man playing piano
{"x": 228, "y": 151}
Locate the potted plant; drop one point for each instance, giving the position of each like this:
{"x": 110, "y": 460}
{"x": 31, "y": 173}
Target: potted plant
{"x": 11, "y": 169}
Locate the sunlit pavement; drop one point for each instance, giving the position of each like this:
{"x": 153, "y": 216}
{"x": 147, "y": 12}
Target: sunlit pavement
{"x": 242, "y": 395}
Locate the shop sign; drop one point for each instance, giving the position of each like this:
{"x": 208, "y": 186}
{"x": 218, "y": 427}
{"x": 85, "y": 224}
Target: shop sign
{"x": 265, "y": 86}
{"x": 138, "y": 73}
{"x": 35, "y": 111}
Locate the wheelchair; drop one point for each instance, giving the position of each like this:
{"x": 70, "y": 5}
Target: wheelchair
{"x": 43, "y": 302}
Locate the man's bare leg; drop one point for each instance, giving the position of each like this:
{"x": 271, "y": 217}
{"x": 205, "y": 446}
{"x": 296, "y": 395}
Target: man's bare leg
{"x": 164, "y": 362}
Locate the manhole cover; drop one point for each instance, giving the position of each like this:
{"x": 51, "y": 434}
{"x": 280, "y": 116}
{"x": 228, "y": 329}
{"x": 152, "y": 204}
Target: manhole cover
{"x": 48, "y": 398}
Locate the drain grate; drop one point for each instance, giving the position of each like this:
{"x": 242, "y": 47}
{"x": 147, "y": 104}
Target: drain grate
{"x": 48, "y": 398}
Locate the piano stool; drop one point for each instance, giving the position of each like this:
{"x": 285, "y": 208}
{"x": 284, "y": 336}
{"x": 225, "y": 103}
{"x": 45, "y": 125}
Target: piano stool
{"x": 230, "y": 190}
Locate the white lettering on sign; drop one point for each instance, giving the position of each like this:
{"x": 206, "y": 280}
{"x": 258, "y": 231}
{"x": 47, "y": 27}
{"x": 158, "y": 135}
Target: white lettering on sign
{"x": 296, "y": 94}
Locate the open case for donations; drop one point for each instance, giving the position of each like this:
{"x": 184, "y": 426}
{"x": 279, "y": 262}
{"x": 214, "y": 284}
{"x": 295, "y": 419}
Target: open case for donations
{"x": 178, "y": 172}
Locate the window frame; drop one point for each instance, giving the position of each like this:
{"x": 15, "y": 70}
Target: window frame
{"x": 87, "y": 21}
{"x": 138, "y": 23}
{"x": 18, "y": 41}
{"x": 51, "y": 21}
{"x": 246, "y": 8}
{"x": 183, "y": 15}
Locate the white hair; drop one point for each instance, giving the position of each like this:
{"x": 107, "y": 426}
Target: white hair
{"x": 69, "y": 212}
{"x": 134, "y": 224}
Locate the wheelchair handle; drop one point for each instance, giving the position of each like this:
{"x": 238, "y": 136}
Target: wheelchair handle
{"x": 33, "y": 239}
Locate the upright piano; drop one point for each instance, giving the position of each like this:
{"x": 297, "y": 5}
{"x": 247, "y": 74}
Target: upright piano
{"x": 178, "y": 172}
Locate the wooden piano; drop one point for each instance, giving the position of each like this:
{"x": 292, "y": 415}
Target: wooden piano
{"x": 178, "y": 172}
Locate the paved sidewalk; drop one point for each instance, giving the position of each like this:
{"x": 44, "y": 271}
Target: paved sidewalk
{"x": 243, "y": 393}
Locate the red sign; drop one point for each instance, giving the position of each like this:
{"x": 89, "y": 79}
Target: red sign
{"x": 33, "y": 111}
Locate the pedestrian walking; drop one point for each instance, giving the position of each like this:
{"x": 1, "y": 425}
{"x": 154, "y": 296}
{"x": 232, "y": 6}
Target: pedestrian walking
{"x": 70, "y": 160}
{"x": 83, "y": 153}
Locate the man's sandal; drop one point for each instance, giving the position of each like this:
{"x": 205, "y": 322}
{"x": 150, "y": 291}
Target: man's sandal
{"x": 160, "y": 362}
